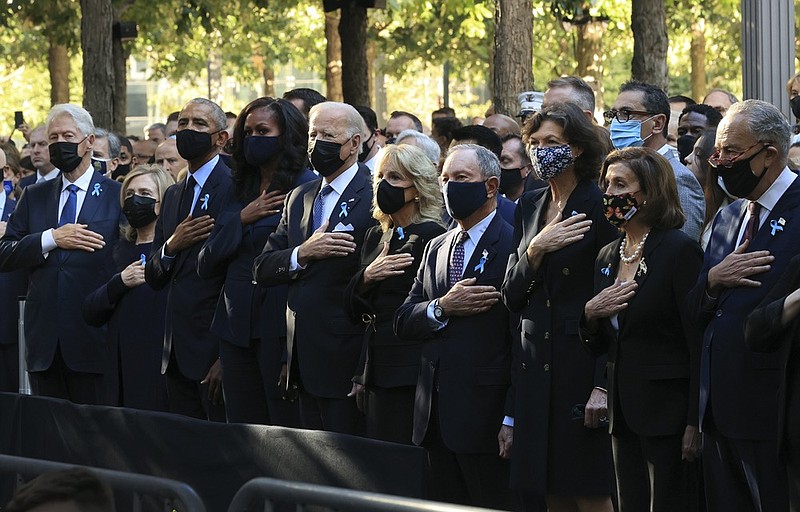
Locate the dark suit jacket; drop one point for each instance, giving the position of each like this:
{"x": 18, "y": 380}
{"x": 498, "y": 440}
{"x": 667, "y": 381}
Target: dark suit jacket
{"x": 31, "y": 180}
{"x": 471, "y": 355}
{"x": 12, "y": 286}
{"x": 741, "y": 385}
{"x": 191, "y": 300}
{"x": 322, "y": 342}
{"x": 58, "y": 283}
{"x": 764, "y": 333}
{"x": 654, "y": 359}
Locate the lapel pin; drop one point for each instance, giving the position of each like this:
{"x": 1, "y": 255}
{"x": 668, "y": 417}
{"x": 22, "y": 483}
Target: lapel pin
{"x": 400, "y": 234}
{"x": 482, "y": 262}
{"x": 642, "y": 268}
{"x": 206, "y": 198}
{"x": 574, "y": 213}
{"x": 344, "y": 207}
{"x": 97, "y": 190}
{"x": 143, "y": 259}
{"x": 606, "y": 271}
{"x": 777, "y": 225}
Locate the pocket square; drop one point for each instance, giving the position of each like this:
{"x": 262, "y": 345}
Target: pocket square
{"x": 343, "y": 227}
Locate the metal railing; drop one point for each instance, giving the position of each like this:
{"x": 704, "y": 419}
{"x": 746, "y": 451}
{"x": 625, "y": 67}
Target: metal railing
{"x": 24, "y": 378}
{"x": 176, "y": 495}
{"x": 270, "y": 490}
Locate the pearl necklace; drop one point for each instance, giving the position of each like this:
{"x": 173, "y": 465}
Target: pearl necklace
{"x": 636, "y": 254}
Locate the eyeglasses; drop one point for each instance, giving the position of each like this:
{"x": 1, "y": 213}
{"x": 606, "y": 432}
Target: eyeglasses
{"x": 623, "y": 115}
{"x": 716, "y": 162}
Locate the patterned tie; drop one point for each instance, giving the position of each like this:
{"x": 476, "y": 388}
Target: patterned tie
{"x": 70, "y": 210}
{"x": 752, "y": 224}
{"x": 319, "y": 206}
{"x": 457, "y": 259}
{"x": 186, "y": 199}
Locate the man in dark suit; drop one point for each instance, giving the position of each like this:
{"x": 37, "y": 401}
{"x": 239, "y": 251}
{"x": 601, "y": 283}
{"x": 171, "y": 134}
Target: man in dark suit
{"x": 191, "y": 352}
{"x": 316, "y": 250}
{"x": 61, "y": 232}
{"x": 752, "y": 240}
{"x": 454, "y": 307}
{"x": 40, "y": 158}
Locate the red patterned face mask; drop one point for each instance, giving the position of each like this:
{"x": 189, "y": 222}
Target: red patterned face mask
{"x": 620, "y": 208}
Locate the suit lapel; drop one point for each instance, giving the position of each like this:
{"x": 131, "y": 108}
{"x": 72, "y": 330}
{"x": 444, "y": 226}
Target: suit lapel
{"x": 347, "y": 202}
{"x": 533, "y": 227}
{"x": 653, "y": 241}
{"x": 308, "y": 208}
{"x": 93, "y": 199}
{"x": 51, "y": 211}
{"x": 485, "y": 250}
{"x": 443, "y": 264}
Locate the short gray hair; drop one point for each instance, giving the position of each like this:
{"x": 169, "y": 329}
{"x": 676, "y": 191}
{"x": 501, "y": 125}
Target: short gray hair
{"x": 764, "y": 122}
{"x": 355, "y": 124}
{"x": 487, "y": 161}
{"x": 425, "y": 143}
{"x": 217, "y": 114}
{"x": 114, "y": 145}
{"x": 79, "y": 115}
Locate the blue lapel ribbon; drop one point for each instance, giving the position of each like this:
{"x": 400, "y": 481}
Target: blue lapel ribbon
{"x": 97, "y": 190}
{"x": 482, "y": 262}
{"x": 205, "y": 200}
{"x": 343, "y": 213}
{"x": 776, "y": 226}
{"x": 400, "y": 234}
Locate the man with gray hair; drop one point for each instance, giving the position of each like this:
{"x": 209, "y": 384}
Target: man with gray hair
{"x": 62, "y": 233}
{"x": 191, "y": 352}
{"x": 316, "y": 250}
{"x": 570, "y": 89}
{"x": 40, "y": 158}
{"x": 751, "y": 244}
{"x": 105, "y": 153}
{"x": 454, "y": 307}
{"x": 423, "y": 142}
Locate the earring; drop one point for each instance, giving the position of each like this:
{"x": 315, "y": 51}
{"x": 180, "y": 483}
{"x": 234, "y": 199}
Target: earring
{"x": 416, "y": 199}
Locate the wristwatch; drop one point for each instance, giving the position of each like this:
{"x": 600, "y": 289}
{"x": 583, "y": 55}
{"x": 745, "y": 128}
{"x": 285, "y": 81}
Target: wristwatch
{"x": 438, "y": 312}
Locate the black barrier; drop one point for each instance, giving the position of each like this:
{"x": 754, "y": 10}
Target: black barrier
{"x": 268, "y": 490}
{"x": 215, "y": 459}
{"x": 171, "y": 494}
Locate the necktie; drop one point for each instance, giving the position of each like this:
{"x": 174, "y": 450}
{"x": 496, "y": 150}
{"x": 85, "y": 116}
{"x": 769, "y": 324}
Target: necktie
{"x": 319, "y": 206}
{"x": 752, "y": 224}
{"x": 70, "y": 210}
{"x": 187, "y": 198}
{"x": 457, "y": 259}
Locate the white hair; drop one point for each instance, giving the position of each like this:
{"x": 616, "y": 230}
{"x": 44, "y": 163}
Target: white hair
{"x": 423, "y": 142}
{"x": 79, "y": 115}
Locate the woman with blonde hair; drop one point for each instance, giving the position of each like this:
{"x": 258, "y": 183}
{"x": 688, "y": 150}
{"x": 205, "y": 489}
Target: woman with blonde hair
{"x": 407, "y": 206}
{"x": 133, "y": 311}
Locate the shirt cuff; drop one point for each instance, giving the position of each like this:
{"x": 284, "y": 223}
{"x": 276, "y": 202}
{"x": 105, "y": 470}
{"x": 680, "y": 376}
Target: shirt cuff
{"x": 48, "y": 242}
{"x": 508, "y": 421}
{"x": 294, "y": 265}
{"x": 166, "y": 261}
{"x": 435, "y": 324}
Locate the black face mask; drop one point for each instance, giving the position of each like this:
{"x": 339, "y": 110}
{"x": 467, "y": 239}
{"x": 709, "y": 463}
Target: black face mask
{"x": 64, "y": 155}
{"x": 192, "y": 144}
{"x": 362, "y": 157}
{"x": 139, "y": 210}
{"x": 462, "y": 199}
{"x": 325, "y": 157}
{"x": 686, "y": 146}
{"x": 795, "y": 103}
{"x": 390, "y": 198}
{"x": 260, "y": 150}
{"x": 739, "y": 178}
{"x": 121, "y": 170}
{"x": 510, "y": 179}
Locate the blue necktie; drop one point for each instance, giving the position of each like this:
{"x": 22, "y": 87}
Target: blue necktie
{"x": 70, "y": 210}
{"x": 457, "y": 259}
{"x": 319, "y": 206}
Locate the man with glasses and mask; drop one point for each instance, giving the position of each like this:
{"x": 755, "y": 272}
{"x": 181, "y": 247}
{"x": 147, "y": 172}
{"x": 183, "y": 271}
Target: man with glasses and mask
{"x": 62, "y": 233}
{"x": 191, "y": 352}
{"x": 316, "y": 250}
{"x": 640, "y": 117}
{"x": 751, "y": 243}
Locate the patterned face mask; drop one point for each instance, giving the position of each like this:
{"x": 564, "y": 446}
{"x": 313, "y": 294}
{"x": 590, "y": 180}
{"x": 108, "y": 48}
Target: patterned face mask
{"x": 620, "y": 208}
{"x": 551, "y": 161}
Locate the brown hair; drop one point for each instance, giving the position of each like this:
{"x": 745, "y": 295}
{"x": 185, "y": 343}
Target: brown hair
{"x": 76, "y": 485}
{"x": 657, "y": 180}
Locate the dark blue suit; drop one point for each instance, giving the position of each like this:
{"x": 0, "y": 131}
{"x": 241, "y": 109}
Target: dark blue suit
{"x": 12, "y": 286}
{"x": 58, "y": 283}
{"x": 190, "y": 348}
{"x": 738, "y": 387}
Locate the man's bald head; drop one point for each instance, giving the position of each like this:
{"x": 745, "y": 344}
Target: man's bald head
{"x": 502, "y": 125}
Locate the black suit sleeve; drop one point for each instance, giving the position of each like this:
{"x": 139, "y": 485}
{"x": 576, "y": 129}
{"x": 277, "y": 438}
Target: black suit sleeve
{"x": 411, "y": 318}
{"x": 156, "y": 272}
{"x": 19, "y": 248}
{"x": 764, "y": 331}
{"x": 221, "y": 246}
{"x": 98, "y": 307}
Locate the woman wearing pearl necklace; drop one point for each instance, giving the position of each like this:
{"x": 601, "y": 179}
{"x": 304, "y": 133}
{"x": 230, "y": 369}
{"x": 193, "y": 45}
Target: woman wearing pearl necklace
{"x": 639, "y": 318}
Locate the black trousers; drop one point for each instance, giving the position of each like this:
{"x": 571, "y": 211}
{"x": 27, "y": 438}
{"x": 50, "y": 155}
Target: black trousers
{"x": 59, "y": 381}
{"x": 188, "y": 397}
{"x": 331, "y": 414}
{"x": 390, "y": 413}
{"x": 9, "y": 368}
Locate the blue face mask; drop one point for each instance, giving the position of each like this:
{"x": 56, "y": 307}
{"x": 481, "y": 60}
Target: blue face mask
{"x": 627, "y": 134}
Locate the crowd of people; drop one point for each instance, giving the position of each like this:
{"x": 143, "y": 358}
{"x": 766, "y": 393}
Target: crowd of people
{"x": 567, "y": 315}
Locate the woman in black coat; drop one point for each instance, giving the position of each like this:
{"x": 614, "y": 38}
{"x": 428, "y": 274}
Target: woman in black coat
{"x": 640, "y": 318}
{"x": 407, "y": 205}
{"x": 133, "y": 311}
{"x": 269, "y": 159}
{"x": 557, "y": 453}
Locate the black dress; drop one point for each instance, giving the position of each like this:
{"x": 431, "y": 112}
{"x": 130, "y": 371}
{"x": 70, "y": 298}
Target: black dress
{"x": 389, "y": 366}
{"x": 135, "y": 318}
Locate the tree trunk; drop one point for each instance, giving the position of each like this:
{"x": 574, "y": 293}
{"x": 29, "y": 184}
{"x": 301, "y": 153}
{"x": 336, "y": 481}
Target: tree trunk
{"x": 268, "y": 73}
{"x": 98, "y": 65}
{"x": 353, "y": 34}
{"x": 214, "y": 69}
{"x": 650, "y": 43}
{"x": 58, "y": 64}
{"x": 512, "y": 69}
{"x": 333, "y": 55}
{"x": 589, "y": 54}
{"x": 120, "y": 54}
{"x": 698, "y": 55}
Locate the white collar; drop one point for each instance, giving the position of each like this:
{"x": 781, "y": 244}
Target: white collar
{"x": 775, "y": 191}
{"x": 476, "y": 232}
{"x": 82, "y": 183}
{"x": 201, "y": 175}
{"x": 339, "y": 184}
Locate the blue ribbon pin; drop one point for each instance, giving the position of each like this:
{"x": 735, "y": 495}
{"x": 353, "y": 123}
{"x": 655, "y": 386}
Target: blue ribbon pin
{"x": 776, "y": 226}
{"x": 205, "y": 200}
{"x": 143, "y": 259}
{"x": 574, "y": 213}
{"x": 482, "y": 262}
{"x": 606, "y": 271}
{"x": 343, "y": 213}
{"x": 400, "y": 234}
{"x": 97, "y": 190}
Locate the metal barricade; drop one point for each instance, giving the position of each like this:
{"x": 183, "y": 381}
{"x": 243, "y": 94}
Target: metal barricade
{"x": 177, "y": 496}
{"x": 24, "y": 378}
{"x": 270, "y": 490}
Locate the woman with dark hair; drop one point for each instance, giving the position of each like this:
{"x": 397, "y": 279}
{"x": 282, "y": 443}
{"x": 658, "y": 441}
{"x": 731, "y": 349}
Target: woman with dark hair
{"x": 134, "y": 312}
{"x": 270, "y": 140}
{"x": 558, "y": 450}
{"x": 639, "y": 317}
{"x": 713, "y": 187}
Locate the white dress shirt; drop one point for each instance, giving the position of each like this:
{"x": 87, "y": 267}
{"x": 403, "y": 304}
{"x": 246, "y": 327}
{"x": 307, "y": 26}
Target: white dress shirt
{"x": 48, "y": 242}
{"x": 768, "y": 200}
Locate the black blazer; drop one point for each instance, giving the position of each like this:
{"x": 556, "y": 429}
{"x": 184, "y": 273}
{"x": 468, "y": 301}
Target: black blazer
{"x": 764, "y": 333}
{"x": 733, "y": 377}
{"x": 58, "y": 283}
{"x": 12, "y": 286}
{"x": 471, "y": 355}
{"x": 322, "y": 342}
{"x": 654, "y": 359}
{"x": 191, "y": 300}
